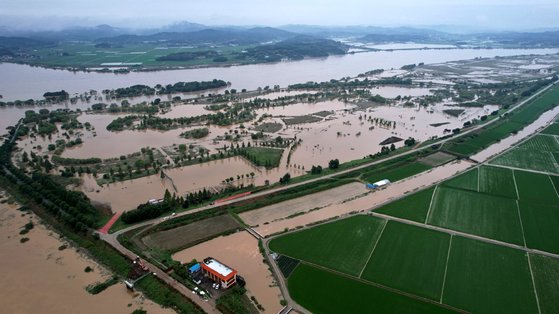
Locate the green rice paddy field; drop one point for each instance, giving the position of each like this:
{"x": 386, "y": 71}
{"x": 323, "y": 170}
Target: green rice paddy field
{"x": 365, "y": 262}
{"x": 519, "y": 118}
{"x": 538, "y": 153}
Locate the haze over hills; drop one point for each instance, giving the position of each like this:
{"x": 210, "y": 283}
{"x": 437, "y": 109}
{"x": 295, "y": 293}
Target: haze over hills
{"x": 186, "y": 44}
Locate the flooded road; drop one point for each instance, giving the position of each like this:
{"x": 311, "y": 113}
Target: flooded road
{"x": 240, "y": 251}
{"x": 38, "y": 277}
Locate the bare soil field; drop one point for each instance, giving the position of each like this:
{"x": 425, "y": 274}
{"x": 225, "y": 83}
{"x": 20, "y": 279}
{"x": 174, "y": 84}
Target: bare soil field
{"x": 303, "y": 204}
{"x": 240, "y": 251}
{"x": 46, "y": 275}
{"x": 369, "y": 201}
{"x": 437, "y": 159}
{"x": 188, "y": 235}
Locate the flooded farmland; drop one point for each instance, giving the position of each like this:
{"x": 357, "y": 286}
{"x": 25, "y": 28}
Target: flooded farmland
{"x": 16, "y": 79}
{"x": 39, "y": 277}
{"x": 240, "y": 251}
{"x": 129, "y": 194}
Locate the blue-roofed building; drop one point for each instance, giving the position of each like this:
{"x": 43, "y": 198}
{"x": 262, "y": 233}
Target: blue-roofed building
{"x": 194, "y": 268}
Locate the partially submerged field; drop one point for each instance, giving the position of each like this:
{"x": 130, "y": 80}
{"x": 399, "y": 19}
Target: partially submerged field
{"x": 240, "y": 251}
{"x": 191, "y": 234}
{"x": 303, "y": 204}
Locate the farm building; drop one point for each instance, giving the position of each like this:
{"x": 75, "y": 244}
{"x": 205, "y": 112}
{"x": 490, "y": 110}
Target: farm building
{"x": 378, "y": 184}
{"x": 218, "y": 272}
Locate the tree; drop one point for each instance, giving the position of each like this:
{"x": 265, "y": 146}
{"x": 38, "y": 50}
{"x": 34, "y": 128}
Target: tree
{"x": 285, "y": 179}
{"x": 392, "y": 147}
{"x": 334, "y": 164}
{"x": 410, "y": 141}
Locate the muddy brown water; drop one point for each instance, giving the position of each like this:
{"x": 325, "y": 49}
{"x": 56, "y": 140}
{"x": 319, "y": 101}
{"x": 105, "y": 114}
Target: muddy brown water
{"x": 129, "y": 194}
{"x": 39, "y": 278}
{"x": 16, "y": 78}
{"x": 303, "y": 204}
{"x": 508, "y": 142}
{"x": 240, "y": 252}
{"x": 376, "y": 198}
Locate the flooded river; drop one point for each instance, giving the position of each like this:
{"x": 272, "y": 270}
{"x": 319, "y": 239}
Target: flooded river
{"x": 38, "y": 277}
{"x": 24, "y": 82}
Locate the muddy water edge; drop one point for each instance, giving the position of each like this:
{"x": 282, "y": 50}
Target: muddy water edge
{"x": 47, "y": 275}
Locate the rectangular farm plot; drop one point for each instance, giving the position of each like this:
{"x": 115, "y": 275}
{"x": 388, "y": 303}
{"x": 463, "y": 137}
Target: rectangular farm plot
{"x": 476, "y": 213}
{"x": 497, "y": 181}
{"x": 487, "y": 278}
{"x": 546, "y": 278}
{"x": 184, "y": 236}
{"x": 528, "y": 159}
{"x": 541, "y": 225}
{"x": 535, "y": 187}
{"x": 410, "y": 259}
{"x": 320, "y": 291}
{"x": 541, "y": 143}
{"x": 555, "y": 181}
{"x": 467, "y": 181}
{"x": 413, "y": 207}
{"x": 552, "y": 129}
{"x": 344, "y": 245}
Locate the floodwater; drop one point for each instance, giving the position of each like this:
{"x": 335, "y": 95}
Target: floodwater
{"x": 497, "y": 148}
{"x": 408, "y": 46}
{"x": 131, "y": 193}
{"x": 16, "y": 79}
{"x": 302, "y": 204}
{"x": 400, "y": 188}
{"x": 369, "y": 201}
{"x": 345, "y": 137}
{"x": 39, "y": 278}
{"x": 240, "y": 252}
{"x": 395, "y": 91}
{"x": 302, "y": 109}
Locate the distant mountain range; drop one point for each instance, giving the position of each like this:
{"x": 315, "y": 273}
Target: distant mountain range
{"x": 187, "y": 33}
{"x": 207, "y": 36}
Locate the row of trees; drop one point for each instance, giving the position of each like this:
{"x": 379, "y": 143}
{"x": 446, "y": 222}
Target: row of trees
{"x": 70, "y": 207}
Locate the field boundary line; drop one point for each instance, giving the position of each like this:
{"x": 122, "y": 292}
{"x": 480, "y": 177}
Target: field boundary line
{"x": 446, "y": 268}
{"x": 554, "y": 160}
{"x": 534, "y": 284}
{"x": 381, "y": 286}
{"x": 553, "y": 184}
{"x": 467, "y": 235}
{"x": 478, "y": 175}
{"x": 521, "y": 224}
{"x": 515, "y": 186}
{"x": 373, "y": 250}
{"x": 523, "y": 169}
{"x": 431, "y": 203}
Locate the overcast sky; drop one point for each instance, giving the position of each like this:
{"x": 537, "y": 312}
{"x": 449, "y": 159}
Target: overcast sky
{"x": 494, "y": 14}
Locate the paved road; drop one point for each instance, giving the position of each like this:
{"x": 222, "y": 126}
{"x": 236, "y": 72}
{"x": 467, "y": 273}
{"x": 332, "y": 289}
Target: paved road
{"x": 289, "y": 186}
{"x": 207, "y": 306}
{"x": 210, "y": 305}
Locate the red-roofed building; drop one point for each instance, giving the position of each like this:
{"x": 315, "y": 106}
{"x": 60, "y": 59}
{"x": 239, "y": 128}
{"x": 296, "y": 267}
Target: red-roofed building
{"x": 219, "y": 273}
